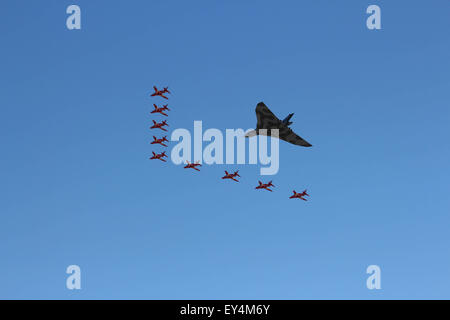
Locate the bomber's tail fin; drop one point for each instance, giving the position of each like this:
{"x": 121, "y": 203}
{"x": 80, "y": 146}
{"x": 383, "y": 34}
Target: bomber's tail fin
{"x": 287, "y": 121}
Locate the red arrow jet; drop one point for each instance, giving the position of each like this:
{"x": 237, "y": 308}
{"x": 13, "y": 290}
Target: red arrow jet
{"x": 159, "y": 141}
{"x": 299, "y": 195}
{"x": 160, "y": 92}
{"x": 161, "y": 110}
{"x": 265, "y": 185}
{"x": 159, "y": 125}
{"x": 159, "y": 156}
{"x": 231, "y": 175}
{"x": 192, "y": 165}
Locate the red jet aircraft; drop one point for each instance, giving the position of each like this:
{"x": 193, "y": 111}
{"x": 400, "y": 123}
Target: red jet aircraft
{"x": 192, "y": 165}
{"x": 265, "y": 185}
{"x": 159, "y": 156}
{"x": 299, "y": 195}
{"x": 159, "y": 141}
{"x": 231, "y": 175}
{"x": 161, "y": 110}
{"x": 160, "y": 92}
{"x": 159, "y": 125}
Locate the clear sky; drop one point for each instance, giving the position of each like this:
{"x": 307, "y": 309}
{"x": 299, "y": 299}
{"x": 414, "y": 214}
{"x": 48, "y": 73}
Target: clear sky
{"x": 78, "y": 188}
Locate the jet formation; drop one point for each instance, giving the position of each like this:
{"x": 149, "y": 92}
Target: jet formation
{"x": 160, "y": 125}
{"x": 266, "y": 122}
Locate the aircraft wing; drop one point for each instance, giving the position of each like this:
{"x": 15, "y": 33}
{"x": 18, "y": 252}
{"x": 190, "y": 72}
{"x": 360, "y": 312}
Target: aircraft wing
{"x": 290, "y": 136}
{"x": 265, "y": 118}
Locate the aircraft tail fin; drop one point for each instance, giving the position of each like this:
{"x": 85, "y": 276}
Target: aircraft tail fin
{"x": 287, "y": 121}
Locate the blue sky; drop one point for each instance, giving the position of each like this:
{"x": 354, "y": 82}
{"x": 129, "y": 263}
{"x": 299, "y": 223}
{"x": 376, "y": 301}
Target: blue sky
{"x": 78, "y": 188}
